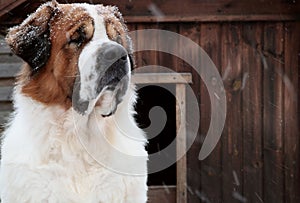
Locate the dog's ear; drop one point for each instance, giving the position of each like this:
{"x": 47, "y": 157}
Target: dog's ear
{"x": 31, "y": 39}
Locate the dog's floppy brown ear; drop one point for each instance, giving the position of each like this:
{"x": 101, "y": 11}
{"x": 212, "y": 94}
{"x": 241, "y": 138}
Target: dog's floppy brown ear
{"x": 31, "y": 39}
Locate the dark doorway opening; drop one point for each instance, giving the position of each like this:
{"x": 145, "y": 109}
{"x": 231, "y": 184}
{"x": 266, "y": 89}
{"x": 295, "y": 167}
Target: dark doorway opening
{"x": 159, "y": 99}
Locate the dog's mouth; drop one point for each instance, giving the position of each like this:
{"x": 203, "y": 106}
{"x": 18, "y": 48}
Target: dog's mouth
{"x": 110, "y": 92}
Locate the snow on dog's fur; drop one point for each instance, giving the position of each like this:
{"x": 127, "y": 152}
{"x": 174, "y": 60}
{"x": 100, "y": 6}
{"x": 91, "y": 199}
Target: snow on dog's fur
{"x": 73, "y": 106}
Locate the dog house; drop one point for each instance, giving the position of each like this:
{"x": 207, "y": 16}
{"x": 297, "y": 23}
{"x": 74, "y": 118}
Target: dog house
{"x": 165, "y": 191}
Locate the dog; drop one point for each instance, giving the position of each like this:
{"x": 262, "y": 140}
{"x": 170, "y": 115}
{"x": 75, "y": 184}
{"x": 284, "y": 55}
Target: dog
{"x": 72, "y": 136}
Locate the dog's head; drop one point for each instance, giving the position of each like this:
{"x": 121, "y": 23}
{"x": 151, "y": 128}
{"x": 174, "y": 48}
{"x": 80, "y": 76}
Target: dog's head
{"x": 77, "y": 55}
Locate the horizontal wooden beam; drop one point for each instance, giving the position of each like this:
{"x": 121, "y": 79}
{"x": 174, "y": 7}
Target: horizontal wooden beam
{"x": 4, "y": 25}
{"x": 146, "y": 11}
{"x": 4, "y": 117}
{"x": 9, "y": 70}
{"x": 210, "y": 18}
{"x": 137, "y": 78}
{"x": 153, "y": 78}
{"x": 6, "y": 93}
{"x": 4, "y": 49}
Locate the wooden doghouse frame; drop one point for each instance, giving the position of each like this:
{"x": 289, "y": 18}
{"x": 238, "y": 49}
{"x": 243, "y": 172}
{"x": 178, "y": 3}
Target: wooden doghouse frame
{"x": 180, "y": 80}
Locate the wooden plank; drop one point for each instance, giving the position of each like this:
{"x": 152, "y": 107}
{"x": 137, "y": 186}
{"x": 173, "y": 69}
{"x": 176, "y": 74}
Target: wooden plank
{"x": 211, "y": 179}
{"x": 144, "y": 58}
{"x": 4, "y": 116}
{"x": 9, "y": 70}
{"x": 153, "y": 78}
{"x": 5, "y": 93}
{"x": 174, "y": 11}
{"x": 167, "y": 60}
{"x": 6, "y": 106}
{"x": 4, "y": 49}
{"x": 181, "y": 167}
{"x": 252, "y": 115}
{"x": 192, "y": 31}
{"x": 194, "y": 8}
{"x": 5, "y": 111}
{"x": 232, "y": 134}
{"x": 7, "y": 82}
{"x": 165, "y": 194}
{"x": 273, "y": 113}
{"x": 10, "y": 58}
{"x": 210, "y": 18}
{"x": 291, "y": 112}
{"x": 9, "y": 5}
{"x": 8, "y": 22}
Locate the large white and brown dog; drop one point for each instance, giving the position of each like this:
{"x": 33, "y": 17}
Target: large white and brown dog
{"x": 72, "y": 136}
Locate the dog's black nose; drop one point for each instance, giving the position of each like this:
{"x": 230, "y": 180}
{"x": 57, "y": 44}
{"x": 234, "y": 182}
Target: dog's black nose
{"x": 113, "y": 52}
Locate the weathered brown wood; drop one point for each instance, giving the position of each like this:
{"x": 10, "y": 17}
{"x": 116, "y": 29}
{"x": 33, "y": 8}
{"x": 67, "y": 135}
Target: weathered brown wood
{"x": 7, "y": 82}
{"x": 232, "y": 138}
{"x": 4, "y": 116}
{"x": 174, "y": 11}
{"x": 9, "y": 5}
{"x": 9, "y": 58}
{"x": 291, "y": 112}
{"x": 9, "y": 70}
{"x": 5, "y": 111}
{"x": 192, "y": 31}
{"x": 273, "y": 112}
{"x": 181, "y": 167}
{"x": 211, "y": 179}
{"x": 4, "y": 49}
{"x": 153, "y": 78}
{"x": 165, "y": 194}
{"x": 210, "y": 18}
{"x": 6, "y": 106}
{"x": 5, "y": 93}
{"x": 252, "y": 112}
{"x": 166, "y": 60}
{"x": 145, "y": 58}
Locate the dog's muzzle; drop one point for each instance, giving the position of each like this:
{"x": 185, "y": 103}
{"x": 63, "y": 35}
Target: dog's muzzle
{"x": 103, "y": 79}
{"x": 112, "y": 65}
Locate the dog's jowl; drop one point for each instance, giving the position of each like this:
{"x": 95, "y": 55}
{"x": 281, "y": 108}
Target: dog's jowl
{"x": 72, "y": 137}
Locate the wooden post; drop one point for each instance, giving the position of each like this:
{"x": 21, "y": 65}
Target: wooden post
{"x": 181, "y": 189}
{"x": 180, "y": 80}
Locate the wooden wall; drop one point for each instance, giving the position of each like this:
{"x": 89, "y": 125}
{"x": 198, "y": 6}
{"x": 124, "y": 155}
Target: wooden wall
{"x": 257, "y": 52}
{"x": 9, "y": 66}
{"x": 257, "y": 159}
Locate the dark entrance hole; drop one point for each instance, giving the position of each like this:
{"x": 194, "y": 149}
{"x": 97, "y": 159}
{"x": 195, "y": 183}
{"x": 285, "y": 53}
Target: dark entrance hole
{"x": 159, "y": 99}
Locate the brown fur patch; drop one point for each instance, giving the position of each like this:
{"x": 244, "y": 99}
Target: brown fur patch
{"x": 115, "y": 26}
{"x": 53, "y": 83}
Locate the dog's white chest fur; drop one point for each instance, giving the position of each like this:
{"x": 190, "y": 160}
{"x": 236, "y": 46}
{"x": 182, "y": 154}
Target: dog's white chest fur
{"x": 44, "y": 159}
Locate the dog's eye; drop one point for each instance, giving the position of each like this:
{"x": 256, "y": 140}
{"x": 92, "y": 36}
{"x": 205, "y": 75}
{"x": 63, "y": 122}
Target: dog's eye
{"x": 78, "y": 37}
